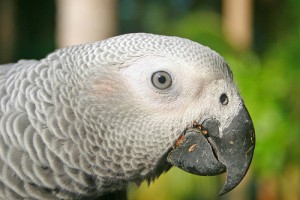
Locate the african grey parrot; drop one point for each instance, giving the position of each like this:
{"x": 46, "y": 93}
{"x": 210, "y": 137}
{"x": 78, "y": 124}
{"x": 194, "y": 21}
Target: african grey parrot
{"x": 87, "y": 120}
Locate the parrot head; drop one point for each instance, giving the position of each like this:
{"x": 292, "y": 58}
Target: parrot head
{"x": 149, "y": 102}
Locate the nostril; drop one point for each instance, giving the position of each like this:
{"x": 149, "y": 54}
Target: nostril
{"x": 224, "y": 99}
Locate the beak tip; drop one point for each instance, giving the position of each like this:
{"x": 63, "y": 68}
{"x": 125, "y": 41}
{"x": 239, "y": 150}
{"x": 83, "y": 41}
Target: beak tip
{"x": 222, "y": 192}
{"x": 225, "y": 189}
{"x": 228, "y": 187}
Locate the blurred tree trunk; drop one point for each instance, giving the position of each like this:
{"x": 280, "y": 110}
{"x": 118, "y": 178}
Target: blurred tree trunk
{"x": 85, "y": 21}
{"x": 7, "y": 27}
{"x": 237, "y": 23}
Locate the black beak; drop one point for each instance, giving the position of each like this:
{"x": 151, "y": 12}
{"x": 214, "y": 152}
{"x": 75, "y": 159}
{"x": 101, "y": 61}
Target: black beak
{"x": 204, "y": 151}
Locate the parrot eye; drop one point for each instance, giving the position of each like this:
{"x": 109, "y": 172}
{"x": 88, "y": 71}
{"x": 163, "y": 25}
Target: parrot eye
{"x": 161, "y": 80}
{"x": 224, "y": 99}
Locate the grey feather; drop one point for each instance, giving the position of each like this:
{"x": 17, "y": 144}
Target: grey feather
{"x": 74, "y": 125}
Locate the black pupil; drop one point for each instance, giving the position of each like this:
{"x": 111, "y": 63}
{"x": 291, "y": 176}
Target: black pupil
{"x": 162, "y": 79}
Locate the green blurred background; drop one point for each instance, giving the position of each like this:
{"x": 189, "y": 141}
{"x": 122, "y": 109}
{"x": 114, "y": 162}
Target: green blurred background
{"x": 266, "y": 66}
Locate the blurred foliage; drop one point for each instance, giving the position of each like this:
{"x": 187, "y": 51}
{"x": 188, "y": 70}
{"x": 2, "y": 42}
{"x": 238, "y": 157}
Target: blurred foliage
{"x": 177, "y": 184}
{"x": 34, "y": 29}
